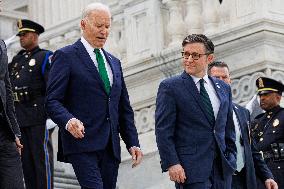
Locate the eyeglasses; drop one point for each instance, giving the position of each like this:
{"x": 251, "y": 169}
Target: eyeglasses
{"x": 194, "y": 56}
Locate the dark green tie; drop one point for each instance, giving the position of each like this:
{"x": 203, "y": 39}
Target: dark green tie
{"x": 102, "y": 70}
{"x": 206, "y": 102}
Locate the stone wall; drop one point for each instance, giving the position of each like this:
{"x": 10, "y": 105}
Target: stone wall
{"x": 146, "y": 35}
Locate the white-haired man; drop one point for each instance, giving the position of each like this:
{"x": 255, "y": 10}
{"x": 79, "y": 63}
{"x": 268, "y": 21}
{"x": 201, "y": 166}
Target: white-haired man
{"x": 88, "y": 99}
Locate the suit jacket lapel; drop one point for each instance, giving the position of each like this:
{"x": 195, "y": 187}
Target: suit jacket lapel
{"x": 191, "y": 87}
{"x": 86, "y": 59}
{"x": 240, "y": 117}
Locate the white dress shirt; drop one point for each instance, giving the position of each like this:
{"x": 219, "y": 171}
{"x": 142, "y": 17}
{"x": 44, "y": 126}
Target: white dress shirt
{"x": 240, "y": 148}
{"x": 211, "y": 92}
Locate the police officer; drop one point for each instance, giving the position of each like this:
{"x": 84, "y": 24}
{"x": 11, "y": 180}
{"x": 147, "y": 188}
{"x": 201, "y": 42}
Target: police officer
{"x": 28, "y": 74}
{"x": 268, "y": 128}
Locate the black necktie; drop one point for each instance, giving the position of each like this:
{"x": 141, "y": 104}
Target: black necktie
{"x": 206, "y": 102}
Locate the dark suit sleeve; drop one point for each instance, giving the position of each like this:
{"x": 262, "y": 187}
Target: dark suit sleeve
{"x": 10, "y": 105}
{"x": 128, "y": 130}
{"x": 260, "y": 166}
{"x": 56, "y": 88}
{"x": 230, "y": 135}
{"x": 165, "y": 118}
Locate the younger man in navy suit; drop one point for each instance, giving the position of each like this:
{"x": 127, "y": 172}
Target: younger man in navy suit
{"x": 194, "y": 123}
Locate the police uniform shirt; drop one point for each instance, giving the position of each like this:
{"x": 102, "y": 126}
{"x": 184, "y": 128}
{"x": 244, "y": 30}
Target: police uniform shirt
{"x": 27, "y": 77}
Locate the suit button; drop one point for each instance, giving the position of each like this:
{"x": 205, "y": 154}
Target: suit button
{"x": 108, "y": 118}
{"x": 109, "y": 99}
{"x": 214, "y": 131}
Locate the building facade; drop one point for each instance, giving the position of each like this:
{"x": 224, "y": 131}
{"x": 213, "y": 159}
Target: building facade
{"x": 146, "y": 35}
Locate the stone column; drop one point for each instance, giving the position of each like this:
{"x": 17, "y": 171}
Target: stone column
{"x": 122, "y": 41}
{"x": 193, "y": 19}
{"x": 176, "y": 25}
{"x": 210, "y": 16}
{"x": 225, "y": 15}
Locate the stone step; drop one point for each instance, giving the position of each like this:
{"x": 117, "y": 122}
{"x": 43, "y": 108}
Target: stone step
{"x": 65, "y": 181}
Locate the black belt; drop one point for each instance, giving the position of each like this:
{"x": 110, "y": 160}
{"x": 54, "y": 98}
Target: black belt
{"x": 237, "y": 173}
{"x": 266, "y": 155}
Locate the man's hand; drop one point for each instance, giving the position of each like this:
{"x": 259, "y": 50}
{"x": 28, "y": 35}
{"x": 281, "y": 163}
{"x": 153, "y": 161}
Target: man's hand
{"x": 177, "y": 174}
{"x": 19, "y": 145}
{"x": 76, "y": 128}
{"x": 137, "y": 155}
{"x": 270, "y": 184}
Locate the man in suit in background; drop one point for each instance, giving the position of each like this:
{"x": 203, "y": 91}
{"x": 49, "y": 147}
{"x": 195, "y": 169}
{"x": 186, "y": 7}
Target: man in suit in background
{"x": 249, "y": 160}
{"x": 194, "y": 124}
{"x": 88, "y": 99}
{"x": 267, "y": 130}
{"x": 11, "y": 173}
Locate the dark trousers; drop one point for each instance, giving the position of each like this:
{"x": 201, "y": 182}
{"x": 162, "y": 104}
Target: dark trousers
{"x": 35, "y": 157}
{"x": 11, "y": 174}
{"x": 239, "y": 180}
{"x": 215, "y": 181}
{"x": 95, "y": 170}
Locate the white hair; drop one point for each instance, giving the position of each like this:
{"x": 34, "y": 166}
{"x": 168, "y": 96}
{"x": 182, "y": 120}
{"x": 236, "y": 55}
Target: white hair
{"x": 93, "y": 7}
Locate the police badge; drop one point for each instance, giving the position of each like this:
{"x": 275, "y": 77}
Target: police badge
{"x": 275, "y": 123}
{"x": 32, "y": 62}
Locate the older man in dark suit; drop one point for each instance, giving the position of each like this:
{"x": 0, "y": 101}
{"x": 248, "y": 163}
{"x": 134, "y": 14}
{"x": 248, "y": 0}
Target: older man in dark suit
{"x": 88, "y": 99}
{"x": 249, "y": 161}
{"x": 194, "y": 123}
{"x": 11, "y": 174}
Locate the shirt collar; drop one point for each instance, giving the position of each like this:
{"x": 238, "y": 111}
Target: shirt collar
{"x": 87, "y": 45}
{"x": 196, "y": 79}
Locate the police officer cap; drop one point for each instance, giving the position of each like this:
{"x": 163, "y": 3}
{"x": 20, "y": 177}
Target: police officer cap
{"x": 29, "y": 26}
{"x": 267, "y": 85}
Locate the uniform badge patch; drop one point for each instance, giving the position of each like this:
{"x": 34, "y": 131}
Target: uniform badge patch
{"x": 32, "y": 62}
{"x": 275, "y": 123}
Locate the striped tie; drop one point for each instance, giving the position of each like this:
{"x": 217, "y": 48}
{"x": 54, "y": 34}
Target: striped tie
{"x": 102, "y": 70}
{"x": 206, "y": 102}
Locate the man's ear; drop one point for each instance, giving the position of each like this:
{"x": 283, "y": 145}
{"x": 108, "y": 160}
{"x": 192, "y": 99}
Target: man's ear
{"x": 210, "y": 58}
{"x": 83, "y": 24}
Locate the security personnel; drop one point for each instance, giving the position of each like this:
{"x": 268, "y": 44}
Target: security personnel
{"x": 267, "y": 130}
{"x": 28, "y": 74}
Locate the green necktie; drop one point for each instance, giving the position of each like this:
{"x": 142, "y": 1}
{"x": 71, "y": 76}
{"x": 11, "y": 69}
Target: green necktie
{"x": 102, "y": 70}
{"x": 206, "y": 102}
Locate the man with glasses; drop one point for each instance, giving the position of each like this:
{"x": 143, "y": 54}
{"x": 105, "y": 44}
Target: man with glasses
{"x": 194, "y": 123}
{"x": 28, "y": 74}
{"x": 249, "y": 160}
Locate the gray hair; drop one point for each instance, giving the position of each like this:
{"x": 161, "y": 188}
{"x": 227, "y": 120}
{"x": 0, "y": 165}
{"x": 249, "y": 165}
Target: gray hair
{"x": 93, "y": 7}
